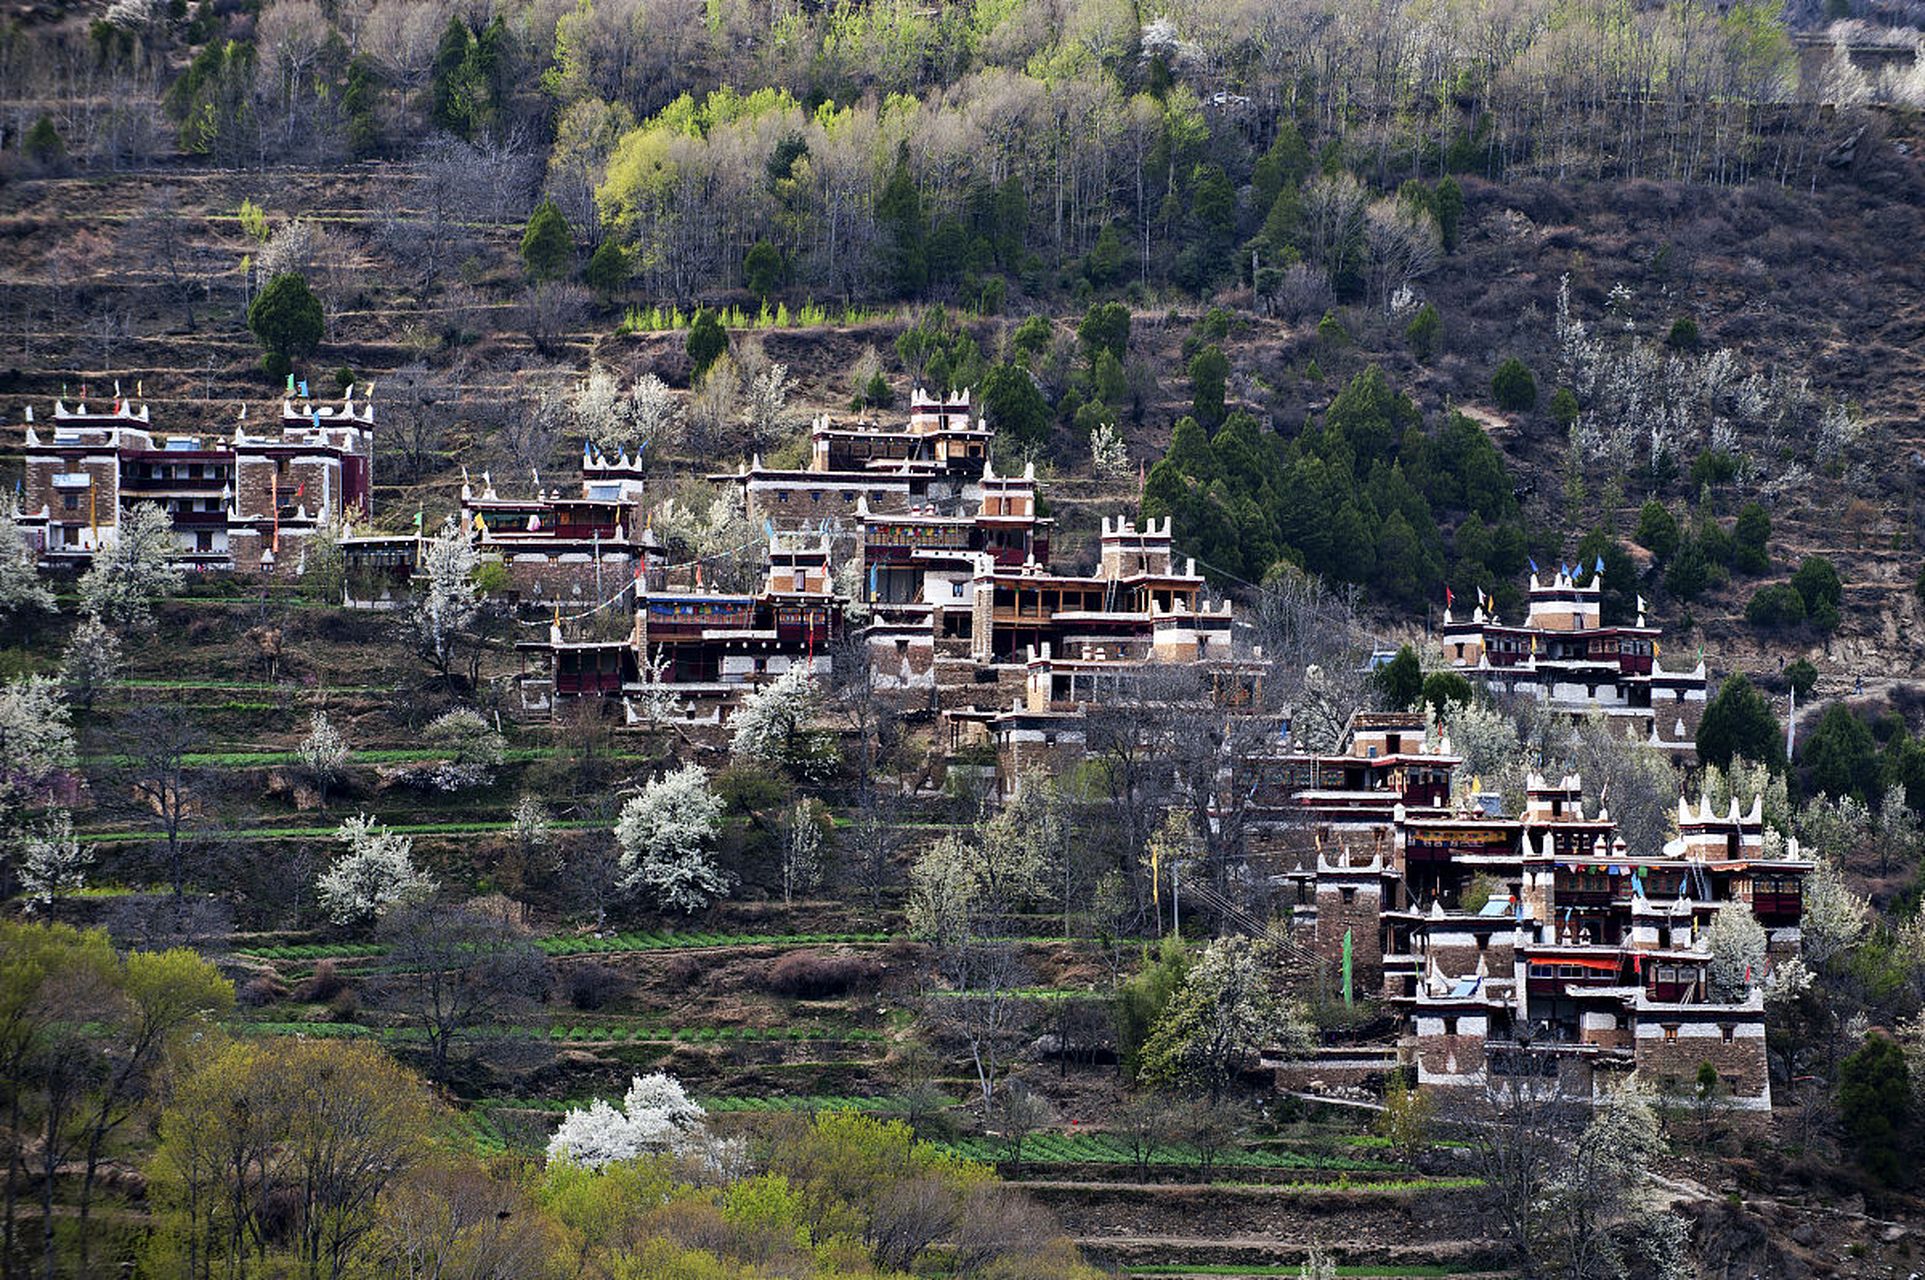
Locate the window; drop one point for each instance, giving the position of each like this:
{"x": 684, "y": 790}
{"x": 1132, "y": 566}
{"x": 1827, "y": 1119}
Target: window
{"x": 1450, "y": 1026}
{"x": 1670, "y": 1032}
{"x": 1349, "y": 894}
{"x": 1726, "y": 1031}
{"x": 1483, "y": 942}
{"x": 70, "y": 502}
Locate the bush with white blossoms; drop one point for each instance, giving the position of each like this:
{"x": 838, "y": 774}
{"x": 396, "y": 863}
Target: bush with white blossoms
{"x": 664, "y": 834}
{"x": 473, "y": 748}
{"x": 53, "y": 863}
{"x": 657, "y": 1116}
{"x": 1108, "y": 453}
{"x": 376, "y": 873}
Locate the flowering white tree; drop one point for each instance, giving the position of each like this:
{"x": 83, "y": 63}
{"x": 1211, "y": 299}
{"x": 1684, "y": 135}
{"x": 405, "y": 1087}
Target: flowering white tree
{"x": 137, "y": 566}
{"x": 91, "y": 659}
{"x": 53, "y": 863}
{"x": 653, "y": 410}
{"x": 474, "y": 749}
{"x": 1736, "y": 942}
{"x": 529, "y": 823}
{"x": 601, "y": 411}
{"x": 323, "y": 753}
{"x": 21, "y": 589}
{"x": 1108, "y": 454}
{"x": 1834, "y": 917}
{"x": 767, "y": 399}
{"x": 376, "y": 873}
{"x": 447, "y": 603}
{"x": 656, "y": 1115}
{"x": 802, "y": 848}
{"x": 664, "y": 834}
{"x": 36, "y": 742}
{"x": 770, "y": 720}
{"x": 1485, "y": 737}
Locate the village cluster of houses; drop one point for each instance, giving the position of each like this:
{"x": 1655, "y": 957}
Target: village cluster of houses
{"x": 1534, "y": 944}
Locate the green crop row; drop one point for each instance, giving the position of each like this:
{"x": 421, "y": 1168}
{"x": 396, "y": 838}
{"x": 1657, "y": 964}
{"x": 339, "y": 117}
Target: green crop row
{"x": 652, "y": 941}
{"x": 1110, "y": 1148}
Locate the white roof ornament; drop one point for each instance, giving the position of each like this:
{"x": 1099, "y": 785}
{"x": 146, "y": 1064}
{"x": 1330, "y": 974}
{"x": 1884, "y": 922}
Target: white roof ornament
{"x": 1757, "y": 814}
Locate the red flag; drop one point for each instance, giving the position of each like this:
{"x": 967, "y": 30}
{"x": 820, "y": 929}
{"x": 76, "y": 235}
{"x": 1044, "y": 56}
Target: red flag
{"x": 1449, "y": 599}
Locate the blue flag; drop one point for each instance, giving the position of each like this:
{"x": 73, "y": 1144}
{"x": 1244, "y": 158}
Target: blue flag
{"x": 1533, "y": 564}
{"x": 1600, "y": 565}
{"x": 303, "y": 388}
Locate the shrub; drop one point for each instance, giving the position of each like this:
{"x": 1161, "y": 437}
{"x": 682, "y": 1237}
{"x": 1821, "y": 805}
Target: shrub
{"x": 811, "y": 975}
{"x": 1683, "y": 335}
{"x": 1775, "y": 606}
{"x": 1817, "y": 584}
{"x": 323, "y": 985}
{"x": 1513, "y": 387}
{"x": 1564, "y": 406}
{"x": 592, "y": 985}
{"x": 261, "y": 990}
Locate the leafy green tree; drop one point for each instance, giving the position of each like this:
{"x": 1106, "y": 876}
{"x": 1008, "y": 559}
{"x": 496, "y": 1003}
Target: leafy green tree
{"x": 1513, "y": 387}
{"x": 1105, "y": 327}
{"x": 1658, "y": 530}
{"x": 1801, "y": 676}
{"x": 1445, "y": 689}
{"x": 1774, "y": 607}
{"x": 1423, "y": 332}
{"x": 547, "y": 248}
{"x": 1738, "y": 724}
{"x": 452, "y": 87}
{"x": 1818, "y": 585}
{"x": 1875, "y": 1103}
{"x": 762, "y": 268}
{"x": 708, "y": 341}
{"x": 1839, "y": 757}
{"x": 1749, "y": 539}
{"x": 1401, "y": 680}
{"x": 1687, "y": 576}
{"x": 1014, "y": 405}
{"x": 1209, "y": 379}
{"x": 1103, "y": 265}
{"x": 43, "y": 145}
{"x": 608, "y": 268}
{"x": 286, "y": 317}
{"x": 1032, "y": 337}
{"x": 1141, "y": 999}
{"x": 1683, "y": 335}
{"x": 899, "y": 213}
